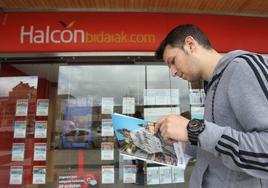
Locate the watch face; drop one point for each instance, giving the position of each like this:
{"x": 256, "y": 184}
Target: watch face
{"x": 195, "y": 125}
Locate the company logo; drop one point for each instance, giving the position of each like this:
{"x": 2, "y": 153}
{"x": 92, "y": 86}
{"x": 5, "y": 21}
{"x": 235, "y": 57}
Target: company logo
{"x": 49, "y": 35}
{"x": 68, "y": 34}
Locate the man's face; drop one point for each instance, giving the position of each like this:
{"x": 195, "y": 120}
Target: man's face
{"x": 181, "y": 63}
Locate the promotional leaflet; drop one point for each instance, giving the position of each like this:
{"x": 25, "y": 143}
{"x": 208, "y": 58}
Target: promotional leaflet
{"x": 40, "y": 151}
{"x": 42, "y": 107}
{"x": 40, "y": 130}
{"x": 128, "y": 105}
{"x": 136, "y": 138}
{"x": 165, "y": 175}
{"x": 15, "y": 177}
{"x": 20, "y": 129}
{"x": 22, "y": 107}
{"x": 152, "y": 175}
{"x": 39, "y": 174}
{"x": 107, "y": 151}
{"x": 161, "y": 97}
{"x": 18, "y": 151}
{"x": 107, "y": 105}
{"x": 197, "y": 112}
{"x": 107, "y": 173}
{"x": 177, "y": 175}
{"x": 154, "y": 114}
{"x": 129, "y": 173}
{"x": 197, "y": 96}
{"x": 107, "y": 128}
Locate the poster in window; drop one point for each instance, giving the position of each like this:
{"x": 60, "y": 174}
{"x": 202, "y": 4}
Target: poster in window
{"x": 20, "y": 129}
{"x": 76, "y": 131}
{"x": 197, "y": 112}
{"x": 177, "y": 175}
{"x": 129, "y": 173}
{"x": 18, "y": 151}
{"x": 40, "y": 151}
{"x": 107, "y": 105}
{"x": 40, "y": 130}
{"x": 15, "y": 177}
{"x": 161, "y": 97}
{"x": 128, "y": 105}
{"x": 21, "y": 107}
{"x": 107, "y": 128}
{"x": 39, "y": 174}
{"x": 42, "y": 107}
{"x": 107, "y": 174}
{"x": 107, "y": 151}
{"x": 165, "y": 174}
{"x": 152, "y": 175}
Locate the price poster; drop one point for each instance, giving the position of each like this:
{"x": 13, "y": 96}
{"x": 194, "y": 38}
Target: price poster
{"x": 40, "y": 151}
{"x": 107, "y": 128}
{"x": 20, "y": 129}
{"x": 18, "y": 151}
{"x": 177, "y": 175}
{"x": 40, "y": 130}
{"x": 39, "y": 174}
{"x": 128, "y": 105}
{"x": 21, "y": 107}
{"x": 129, "y": 174}
{"x": 107, "y": 151}
{"x": 107, "y": 174}
{"x": 15, "y": 177}
{"x": 152, "y": 175}
{"x": 107, "y": 105}
{"x": 42, "y": 107}
{"x": 165, "y": 174}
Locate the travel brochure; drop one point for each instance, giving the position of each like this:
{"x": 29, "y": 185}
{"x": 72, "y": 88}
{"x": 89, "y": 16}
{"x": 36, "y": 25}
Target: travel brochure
{"x": 20, "y": 129}
{"x": 40, "y": 151}
{"x": 18, "y": 152}
{"x": 21, "y": 107}
{"x": 15, "y": 177}
{"x": 164, "y": 175}
{"x": 39, "y": 174}
{"x": 136, "y": 138}
{"x": 42, "y": 107}
{"x": 40, "y": 130}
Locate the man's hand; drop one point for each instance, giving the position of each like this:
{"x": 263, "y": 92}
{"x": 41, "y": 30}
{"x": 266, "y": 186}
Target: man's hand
{"x": 173, "y": 128}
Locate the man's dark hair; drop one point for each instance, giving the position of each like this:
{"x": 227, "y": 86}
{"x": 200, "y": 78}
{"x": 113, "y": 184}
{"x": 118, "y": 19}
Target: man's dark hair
{"x": 176, "y": 38}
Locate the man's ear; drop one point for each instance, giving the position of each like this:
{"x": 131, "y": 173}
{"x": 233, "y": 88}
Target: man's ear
{"x": 190, "y": 44}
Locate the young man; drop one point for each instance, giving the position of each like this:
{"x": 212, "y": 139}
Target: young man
{"x": 232, "y": 142}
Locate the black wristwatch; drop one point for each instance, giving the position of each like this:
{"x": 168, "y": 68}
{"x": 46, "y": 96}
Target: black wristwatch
{"x": 194, "y": 128}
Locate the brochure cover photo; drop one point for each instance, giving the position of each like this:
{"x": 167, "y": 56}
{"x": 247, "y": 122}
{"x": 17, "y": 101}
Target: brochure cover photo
{"x": 136, "y": 138}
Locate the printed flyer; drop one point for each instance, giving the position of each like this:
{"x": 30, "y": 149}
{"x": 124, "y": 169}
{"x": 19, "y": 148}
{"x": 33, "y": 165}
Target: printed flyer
{"x": 40, "y": 130}
{"x": 22, "y": 107}
{"x": 129, "y": 173}
{"x": 18, "y": 151}
{"x": 128, "y": 105}
{"x": 40, "y": 151}
{"x": 15, "y": 175}
{"x": 177, "y": 175}
{"x": 39, "y": 174}
{"x": 197, "y": 96}
{"x": 107, "y": 151}
{"x": 42, "y": 107}
{"x": 152, "y": 175}
{"x": 107, "y": 105}
{"x": 20, "y": 129}
{"x": 165, "y": 175}
{"x": 107, "y": 174}
{"x": 107, "y": 128}
{"x": 197, "y": 112}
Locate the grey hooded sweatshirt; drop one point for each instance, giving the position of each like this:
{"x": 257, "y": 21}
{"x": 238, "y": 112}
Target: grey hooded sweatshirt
{"x": 233, "y": 149}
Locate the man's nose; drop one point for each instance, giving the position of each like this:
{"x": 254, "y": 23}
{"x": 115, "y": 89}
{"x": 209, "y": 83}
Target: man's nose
{"x": 173, "y": 71}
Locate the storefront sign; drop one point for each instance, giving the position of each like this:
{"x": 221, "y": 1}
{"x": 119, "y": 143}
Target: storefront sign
{"x": 104, "y": 31}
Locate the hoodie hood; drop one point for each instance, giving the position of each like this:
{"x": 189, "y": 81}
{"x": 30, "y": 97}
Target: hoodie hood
{"x": 225, "y": 60}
